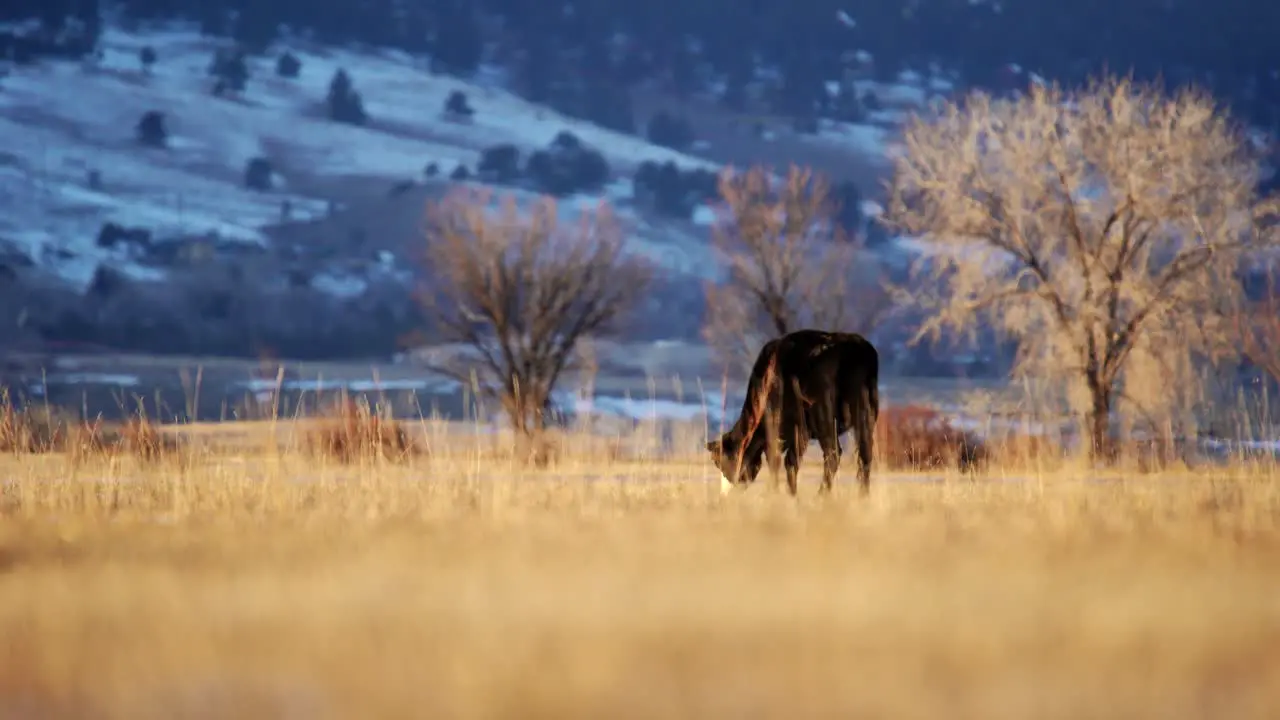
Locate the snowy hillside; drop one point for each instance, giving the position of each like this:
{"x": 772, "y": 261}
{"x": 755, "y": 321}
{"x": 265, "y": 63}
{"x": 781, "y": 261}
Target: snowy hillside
{"x": 72, "y": 160}
{"x": 164, "y": 247}
{"x": 63, "y": 122}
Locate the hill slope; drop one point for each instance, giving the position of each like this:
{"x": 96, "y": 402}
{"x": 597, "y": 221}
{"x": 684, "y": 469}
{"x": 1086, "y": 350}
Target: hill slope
{"x": 333, "y": 237}
{"x": 65, "y": 122}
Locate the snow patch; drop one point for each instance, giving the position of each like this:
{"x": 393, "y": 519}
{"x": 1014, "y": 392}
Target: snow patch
{"x": 638, "y": 409}
{"x": 263, "y": 385}
{"x": 340, "y": 286}
{"x": 704, "y": 216}
{"x": 867, "y": 140}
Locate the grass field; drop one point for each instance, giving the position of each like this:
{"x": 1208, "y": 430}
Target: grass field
{"x": 252, "y": 584}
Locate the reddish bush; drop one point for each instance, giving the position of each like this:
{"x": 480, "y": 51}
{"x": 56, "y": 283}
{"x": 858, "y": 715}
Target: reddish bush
{"x": 1022, "y": 450}
{"x": 350, "y": 431}
{"x": 39, "y": 430}
{"x": 912, "y": 437}
{"x": 143, "y": 439}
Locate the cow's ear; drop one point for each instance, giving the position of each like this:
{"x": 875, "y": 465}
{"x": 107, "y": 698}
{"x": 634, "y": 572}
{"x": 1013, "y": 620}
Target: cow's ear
{"x": 713, "y": 446}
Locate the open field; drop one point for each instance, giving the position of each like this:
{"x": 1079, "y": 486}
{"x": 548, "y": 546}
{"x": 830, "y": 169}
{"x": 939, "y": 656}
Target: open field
{"x": 215, "y": 389}
{"x": 268, "y": 583}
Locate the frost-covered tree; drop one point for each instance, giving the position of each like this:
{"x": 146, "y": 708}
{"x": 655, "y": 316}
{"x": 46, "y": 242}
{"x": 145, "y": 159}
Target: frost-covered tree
{"x": 1101, "y": 229}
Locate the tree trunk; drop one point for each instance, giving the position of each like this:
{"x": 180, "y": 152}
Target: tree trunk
{"x": 529, "y": 421}
{"x": 1099, "y": 419}
{"x": 514, "y": 406}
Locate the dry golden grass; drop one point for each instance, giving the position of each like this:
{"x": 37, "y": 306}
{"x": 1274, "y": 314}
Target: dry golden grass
{"x": 248, "y": 583}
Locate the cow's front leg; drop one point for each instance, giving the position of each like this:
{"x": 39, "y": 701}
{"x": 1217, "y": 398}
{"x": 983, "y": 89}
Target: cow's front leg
{"x": 773, "y": 448}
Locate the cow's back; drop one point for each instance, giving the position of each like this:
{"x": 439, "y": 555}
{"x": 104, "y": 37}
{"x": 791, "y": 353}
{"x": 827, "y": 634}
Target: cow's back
{"x": 827, "y": 362}
{"x": 833, "y": 367}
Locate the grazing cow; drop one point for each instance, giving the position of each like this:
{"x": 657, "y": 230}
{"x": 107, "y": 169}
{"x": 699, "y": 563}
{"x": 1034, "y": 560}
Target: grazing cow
{"x": 806, "y": 385}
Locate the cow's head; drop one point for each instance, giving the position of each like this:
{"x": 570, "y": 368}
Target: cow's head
{"x": 736, "y": 467}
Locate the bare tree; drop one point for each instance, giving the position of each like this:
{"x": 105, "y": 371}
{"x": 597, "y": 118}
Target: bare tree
{"x": 1101, "y": 229}
{"x": 1257, "y": 326}
{"x": 518, "y": 289}
{"x": 789, "y": 265}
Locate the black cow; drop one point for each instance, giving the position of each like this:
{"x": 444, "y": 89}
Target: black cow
{"x": 806, "y": 385}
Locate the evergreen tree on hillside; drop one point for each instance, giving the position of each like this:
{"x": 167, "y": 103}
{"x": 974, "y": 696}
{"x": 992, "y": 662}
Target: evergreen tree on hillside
{"x": 345, "y": 103}
{"x": 230, "y": 71}
{"x": 1226, "y": 48}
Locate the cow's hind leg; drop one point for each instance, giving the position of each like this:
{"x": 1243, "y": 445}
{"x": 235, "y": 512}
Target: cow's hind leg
{"x": 864, "y": 442}
{"x": 864, "y": 432}
{"x": 824, "y": 426}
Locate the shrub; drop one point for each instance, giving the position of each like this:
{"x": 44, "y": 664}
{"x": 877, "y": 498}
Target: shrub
{"x": 877, "y": 233}
{"x": 105, "y": 283}
{"x": 565, "y": 140}
{"x": 142, "y": 439}
{"x": 669, "y": 197}
{"x": 702, "y": 184}
{"x": 500, "y": 163}
{"x": 673, "y": 192}
{"x": 646, "y": 175}
{"x": 288, "y": 66}
{"x": 567, "y": 166}
{"x": 231, "y": 71}
{"x": 912, "y": 437}
{"x": 592, "y": 170}
{"x": 350, "y": 431}
{"x": 112, "y": 235}
{"x": 42, "y": 429}
{"x": 257, "y": 174}
{"x": 431, "y": 170}
{"x": 460, "y": 173}
{"x": 540, "y": 169}
{"x": 32, "y": 430}
{"x": 457, "y": 105}
{"x": 147, "y": 57}
{"x": 151, "y": 130}
{"x": 1022, "y": 450}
